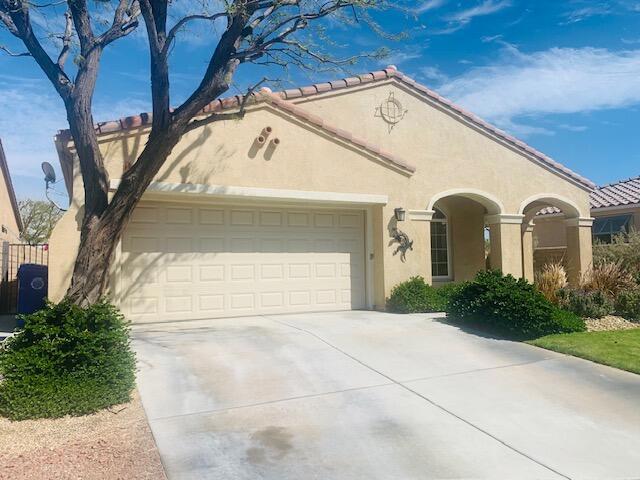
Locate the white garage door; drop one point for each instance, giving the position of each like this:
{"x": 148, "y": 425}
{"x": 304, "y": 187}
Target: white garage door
{"x": 187, "y": 261}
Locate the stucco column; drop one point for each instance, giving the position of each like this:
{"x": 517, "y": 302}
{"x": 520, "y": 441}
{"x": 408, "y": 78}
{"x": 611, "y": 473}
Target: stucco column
{"x": 506, "y": 243}
{"x": 527, "y": 251}
{"x": 579, "y": 247}
{"x": 422, "y": 224}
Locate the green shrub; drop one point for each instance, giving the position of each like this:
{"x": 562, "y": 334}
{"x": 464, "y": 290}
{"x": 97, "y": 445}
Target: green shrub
{"x": 628, "y": 304}
{"x": 67, "y": 360}
{"x": 568, "y": 321}
{"x": 592, "y": 304}
{"x": 446, "y": 292}
{"x": 415, "y": 296}
{"x": 510, "y": 307}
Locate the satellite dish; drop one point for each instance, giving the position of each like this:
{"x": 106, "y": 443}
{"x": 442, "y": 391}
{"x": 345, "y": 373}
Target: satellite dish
{"x": 49, "y": 172}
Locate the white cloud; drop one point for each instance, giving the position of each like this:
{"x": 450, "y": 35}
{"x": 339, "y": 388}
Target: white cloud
{"x": 429, "y": 5}
{"x": 36, "y": 115}
{"x": 573, "y": 128}
{"x": 555, "y": 81}
{"x": 434, "y": 74}
{"x": 583, "y": 13}
{"x": 462, "y": 18}
{"x": 399, "y": 57}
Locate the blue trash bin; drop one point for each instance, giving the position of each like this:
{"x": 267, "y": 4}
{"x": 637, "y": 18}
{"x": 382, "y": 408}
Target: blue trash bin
{"x": 33, "y": 287}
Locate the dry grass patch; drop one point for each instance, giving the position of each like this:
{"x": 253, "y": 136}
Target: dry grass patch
{"x": 551, "y": 278}
{"x": 111, "y": 444}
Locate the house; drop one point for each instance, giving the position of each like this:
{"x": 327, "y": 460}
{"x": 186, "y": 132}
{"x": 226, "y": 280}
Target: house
{"x": 10, "y": 220}
{"x": 322, "y": 198}
{"x": 614, "y": 207}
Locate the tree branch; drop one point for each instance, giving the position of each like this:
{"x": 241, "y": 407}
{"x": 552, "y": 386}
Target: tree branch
{"x": 15, "y": 15}
{"x": 14, "y": 54}
{"x": 66, "y": 40}
{"x": 82, "y": 23}
{"x": 125, "y": 21}
{"x": 189, "y": 18}
{"x": 217, "y": 117}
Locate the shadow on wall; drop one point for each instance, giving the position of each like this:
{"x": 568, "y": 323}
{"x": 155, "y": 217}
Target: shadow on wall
{"x": 194, "y": 164}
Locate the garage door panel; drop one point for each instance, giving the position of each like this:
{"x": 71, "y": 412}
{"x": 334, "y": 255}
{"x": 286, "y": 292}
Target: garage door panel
{"x": 181, "y": 262}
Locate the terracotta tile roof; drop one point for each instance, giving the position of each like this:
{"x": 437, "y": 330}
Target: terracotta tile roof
{"x": 620, "y": 194}
{"x": 12, "y": 194}
{"x": 390, "y": 72}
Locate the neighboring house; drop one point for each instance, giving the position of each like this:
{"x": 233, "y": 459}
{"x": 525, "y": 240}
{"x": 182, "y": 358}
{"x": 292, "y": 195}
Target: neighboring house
{"x": 10, "y": 221}
{"x": 299, "y": 206}
{"x": 614, "y": 207}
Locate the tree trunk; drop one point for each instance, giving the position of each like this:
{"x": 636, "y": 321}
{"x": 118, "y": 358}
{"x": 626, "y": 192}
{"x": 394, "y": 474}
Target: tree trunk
{"x": 101, "y": 233}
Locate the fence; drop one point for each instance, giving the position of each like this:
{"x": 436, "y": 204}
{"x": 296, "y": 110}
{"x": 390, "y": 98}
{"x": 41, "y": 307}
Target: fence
{"x": 12, "y": 256}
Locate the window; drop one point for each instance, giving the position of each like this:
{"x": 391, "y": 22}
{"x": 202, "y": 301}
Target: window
{"x": 605, "y": 228}
{"x": 439, "y": 245}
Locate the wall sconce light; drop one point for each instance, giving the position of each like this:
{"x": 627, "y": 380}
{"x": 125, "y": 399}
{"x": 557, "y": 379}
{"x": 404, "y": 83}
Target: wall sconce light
{"x": 400, "y": 214}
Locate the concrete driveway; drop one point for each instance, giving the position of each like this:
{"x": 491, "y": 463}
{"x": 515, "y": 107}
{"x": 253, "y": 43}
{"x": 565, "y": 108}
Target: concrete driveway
{"x": 367, "y": 395}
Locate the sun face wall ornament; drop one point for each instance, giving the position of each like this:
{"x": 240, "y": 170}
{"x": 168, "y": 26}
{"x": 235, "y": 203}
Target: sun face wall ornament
{"x": 391, "y": 111}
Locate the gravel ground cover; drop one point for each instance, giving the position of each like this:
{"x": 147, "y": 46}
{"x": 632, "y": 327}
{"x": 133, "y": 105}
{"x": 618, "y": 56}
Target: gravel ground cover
{"x": 608, "y": 323}
{"x": 114, "y": 444}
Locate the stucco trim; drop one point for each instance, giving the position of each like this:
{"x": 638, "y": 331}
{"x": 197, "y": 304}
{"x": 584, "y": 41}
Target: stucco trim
{"x": 568, "y": 207}
{"x": 491, "y": 203}
{"x": 580, "y": 222}
{"x": 421, "y": 215}
{"x": 504, "y": 219}
{"x": 227, "y": 191}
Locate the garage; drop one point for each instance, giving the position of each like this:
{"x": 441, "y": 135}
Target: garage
{"x": 181, "y": 261}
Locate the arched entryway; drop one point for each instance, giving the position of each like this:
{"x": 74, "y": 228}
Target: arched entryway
{"x": 554, "y": 230}
{"x": 457, "y": 233}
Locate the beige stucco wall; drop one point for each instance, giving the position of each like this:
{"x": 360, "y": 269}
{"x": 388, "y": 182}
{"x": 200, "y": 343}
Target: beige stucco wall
{"x": 447, "y": 153}
{"x": 7, "y": 215}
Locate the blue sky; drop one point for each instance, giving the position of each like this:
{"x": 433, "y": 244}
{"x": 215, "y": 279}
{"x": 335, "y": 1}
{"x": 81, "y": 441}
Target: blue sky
{"x": 562, "y": 75}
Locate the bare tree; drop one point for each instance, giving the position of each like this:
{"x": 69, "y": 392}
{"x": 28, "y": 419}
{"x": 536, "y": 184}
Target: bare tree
{"x": 267, "y": 32}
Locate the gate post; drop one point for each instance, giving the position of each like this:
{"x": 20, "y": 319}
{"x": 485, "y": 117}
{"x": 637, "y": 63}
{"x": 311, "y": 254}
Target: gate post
{"x": 4, "y": 277}
{"x": 4, "y": 268}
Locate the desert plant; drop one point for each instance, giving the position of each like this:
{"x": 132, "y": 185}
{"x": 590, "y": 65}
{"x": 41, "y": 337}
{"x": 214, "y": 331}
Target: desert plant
{"x": 510, "y": 307}
{"x": 551, "y": 278}
{"x": 586, "y": 303}
{"x": 609, "y": 278}
{"x": 67, "y": 360}
{"x": 627, "y": 304}
{"x": 624, "y": 250}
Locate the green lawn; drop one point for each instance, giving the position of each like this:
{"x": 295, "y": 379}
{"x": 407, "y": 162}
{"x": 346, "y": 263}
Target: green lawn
{"x": 620, "y": 348}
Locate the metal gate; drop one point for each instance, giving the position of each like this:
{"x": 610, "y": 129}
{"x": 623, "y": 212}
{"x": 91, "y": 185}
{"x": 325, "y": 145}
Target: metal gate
{"x": 12, "y": 256}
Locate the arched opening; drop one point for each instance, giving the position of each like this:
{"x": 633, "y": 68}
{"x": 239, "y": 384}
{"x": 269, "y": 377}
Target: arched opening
{"x": 458, "y": 233}
{"x": 551, "y": 234}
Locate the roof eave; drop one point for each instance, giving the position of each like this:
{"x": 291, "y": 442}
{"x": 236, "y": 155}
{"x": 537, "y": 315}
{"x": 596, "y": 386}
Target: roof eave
{"x": 12, "y": 194}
